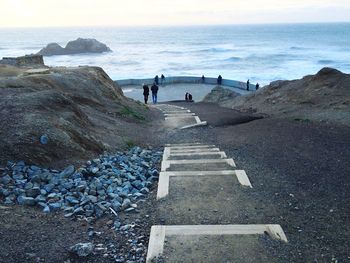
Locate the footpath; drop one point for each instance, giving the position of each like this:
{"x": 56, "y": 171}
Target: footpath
{"x": 198, "y": 183}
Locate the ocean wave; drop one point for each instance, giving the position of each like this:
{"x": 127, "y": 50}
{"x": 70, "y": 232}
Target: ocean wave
{"x": 298, "y": 48}
{"x": 325, "y": 61}
{"x": 233, "y": 59}
{"x": 126, "y": 63}
{"x": 214, "y": 50}
{"x": 172, "y": 52}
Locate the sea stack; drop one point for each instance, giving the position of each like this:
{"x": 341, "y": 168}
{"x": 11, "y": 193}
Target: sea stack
{"x": 78, "y": 46}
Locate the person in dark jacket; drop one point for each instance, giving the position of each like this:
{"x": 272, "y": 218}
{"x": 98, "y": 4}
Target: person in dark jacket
{"x": 203, "y": 78}
{"x": 257, "y": 86}
{"x": 162, "y": 79}
{"x": 248, "y": 84}
{"x": 186, "y": 96}
{"x": 145, "y": 92}
{"x": 219, "y": 80}
{"x": 154, "y": 90}
{"x": 156, "y": 79}
{"x": 190, "y": 97}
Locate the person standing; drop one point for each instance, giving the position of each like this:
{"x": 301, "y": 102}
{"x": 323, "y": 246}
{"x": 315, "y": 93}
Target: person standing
{"x": 145, "y": 92}
{"x": 162, "y": 79}
{"x": 219, "y": 80}
{"x": 156, "y": 79}
{"x": 257, "y": 86}
{"x": 203, "y": 79}
{"x": 154, "y": 89}
{"x": 186, "y": 96}
{"x": 248, "y": 84}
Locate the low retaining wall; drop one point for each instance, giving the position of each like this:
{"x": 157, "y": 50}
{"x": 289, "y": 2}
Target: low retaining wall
{"x": 186, "y": 79}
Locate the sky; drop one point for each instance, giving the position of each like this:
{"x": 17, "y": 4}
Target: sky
{"x": 47, "y": 13}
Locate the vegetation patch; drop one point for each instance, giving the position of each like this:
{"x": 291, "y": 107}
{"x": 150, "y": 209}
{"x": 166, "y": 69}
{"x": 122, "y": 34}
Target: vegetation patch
{"x": 129, "y": 112}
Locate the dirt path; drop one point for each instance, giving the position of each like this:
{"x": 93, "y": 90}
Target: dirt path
{"x": 300, "y": 175}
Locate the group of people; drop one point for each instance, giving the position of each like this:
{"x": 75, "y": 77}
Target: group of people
{"x": 256, "y": 85}
{"x": 162, "y": 79}
{"x": 188, "y": 96}
{"x": 154, "y": 89}
{"x": 219, "y": 81}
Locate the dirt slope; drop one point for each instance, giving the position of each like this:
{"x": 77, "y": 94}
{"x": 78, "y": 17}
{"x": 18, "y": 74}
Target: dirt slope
{"x": 80, "y": 110}
{"x": 322, "y": 97}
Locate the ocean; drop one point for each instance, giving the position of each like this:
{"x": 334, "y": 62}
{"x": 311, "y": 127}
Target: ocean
{"x": 262, "y": 53}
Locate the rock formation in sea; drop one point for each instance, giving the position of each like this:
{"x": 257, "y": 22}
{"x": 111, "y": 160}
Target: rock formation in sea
{"x": 324, "y": 96}
{"x": 80, "y": 45}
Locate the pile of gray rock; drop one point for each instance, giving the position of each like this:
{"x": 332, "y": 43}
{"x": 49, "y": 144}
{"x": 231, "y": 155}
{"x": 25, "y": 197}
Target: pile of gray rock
{"x": 112, "y": 182}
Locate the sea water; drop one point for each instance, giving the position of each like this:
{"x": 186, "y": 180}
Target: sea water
{"x": 261, "y": 53}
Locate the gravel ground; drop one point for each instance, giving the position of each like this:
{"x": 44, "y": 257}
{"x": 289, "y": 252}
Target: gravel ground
{"x": 301, "y": 168}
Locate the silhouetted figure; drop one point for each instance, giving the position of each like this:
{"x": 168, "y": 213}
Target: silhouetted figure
{"x": 154, "y": 89}
{"x": 188, "y": 97}
{"x": 219, "y": 80}
{"x": 248, "y": 84}
{"x": 257, "y": 86}
{"x": 162, "y": 78}
{"x": 145, "y": 92}
{"x": 203, "y": 78}
{"x": 156, "y": 79}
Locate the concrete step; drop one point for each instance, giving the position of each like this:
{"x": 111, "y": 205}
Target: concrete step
{"x": 193, "y": 150}
{"x": 195, "y": 156}
{"x": 198, "y": 124}
{"x": 229, "y": 177}
{"x": 188, "y": 146}
{"x": 212, "y": 243}
{"x": 179, "y": 114}
{"x": 169, "y": 164}
{"x": 182, "y": 121}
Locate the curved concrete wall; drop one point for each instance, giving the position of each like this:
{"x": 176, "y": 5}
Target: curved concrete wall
{"x": 186, "y": 79}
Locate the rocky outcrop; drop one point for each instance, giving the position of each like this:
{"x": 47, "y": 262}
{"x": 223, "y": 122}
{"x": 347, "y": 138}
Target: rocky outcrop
{"x": 321, "y": 97}
{"x": 220, "y": 94}
{"x": 81, "y": 45}
{"x": 24, "y": 61}
{"x": 63, "y": 114}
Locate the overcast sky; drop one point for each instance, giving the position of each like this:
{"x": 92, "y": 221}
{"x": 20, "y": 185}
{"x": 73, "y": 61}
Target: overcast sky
{"x": 39, "y": 13}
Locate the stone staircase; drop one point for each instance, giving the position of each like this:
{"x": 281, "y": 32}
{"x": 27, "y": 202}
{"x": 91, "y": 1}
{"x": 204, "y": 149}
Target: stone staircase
{"x": 198, "y": 182}
{"x": 179, "y": 117}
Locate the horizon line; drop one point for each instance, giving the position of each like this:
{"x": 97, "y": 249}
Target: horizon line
{"x": 178, "y": 25}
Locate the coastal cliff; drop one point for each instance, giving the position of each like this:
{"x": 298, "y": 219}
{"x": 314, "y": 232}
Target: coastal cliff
{"x": 324, "y": 96}
{"x": 52, "y": 115}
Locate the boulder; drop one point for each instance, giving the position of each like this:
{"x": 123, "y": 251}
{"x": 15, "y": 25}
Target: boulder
{"x": 82, "y": 249}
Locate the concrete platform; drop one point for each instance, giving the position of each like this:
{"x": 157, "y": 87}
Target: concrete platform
{"x": 181, "y": 243}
